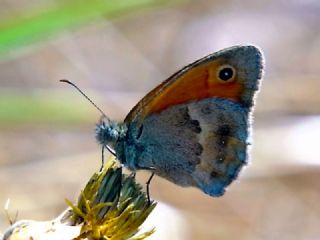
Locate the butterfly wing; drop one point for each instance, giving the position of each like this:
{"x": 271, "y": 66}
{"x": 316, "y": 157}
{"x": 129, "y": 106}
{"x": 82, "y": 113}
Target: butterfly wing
{"x": 199, "y": 80}
{"x": 193, "y": 129}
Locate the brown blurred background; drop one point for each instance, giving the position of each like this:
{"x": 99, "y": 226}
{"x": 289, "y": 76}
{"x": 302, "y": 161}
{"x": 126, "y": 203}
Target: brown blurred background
{"x": 116, "y": 55}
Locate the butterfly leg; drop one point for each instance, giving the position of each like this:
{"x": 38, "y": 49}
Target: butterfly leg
{"x": 119, "y": 193}
{"x": 102, "y": 155}
{"x": 152, "y": 169}
{"x": 102, "y": 158}
{"x": 148, "y": 187}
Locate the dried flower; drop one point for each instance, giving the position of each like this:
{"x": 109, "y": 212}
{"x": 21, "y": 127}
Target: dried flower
{"x": 112, "y": 206}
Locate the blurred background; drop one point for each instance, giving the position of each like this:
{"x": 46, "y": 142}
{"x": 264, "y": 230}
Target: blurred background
{"x": 117, "y": 51}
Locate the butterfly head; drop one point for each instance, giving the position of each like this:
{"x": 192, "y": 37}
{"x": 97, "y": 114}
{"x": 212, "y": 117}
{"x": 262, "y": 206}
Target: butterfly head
{"x": 109, "y": 132}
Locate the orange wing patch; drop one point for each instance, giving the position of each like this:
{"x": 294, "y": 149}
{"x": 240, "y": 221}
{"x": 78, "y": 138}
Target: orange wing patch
{"x": 197, "y": 83}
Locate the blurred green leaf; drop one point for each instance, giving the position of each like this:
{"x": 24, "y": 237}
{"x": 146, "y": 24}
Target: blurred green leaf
{"x": 32, "y": 26}
{"x": 48, "y": 107}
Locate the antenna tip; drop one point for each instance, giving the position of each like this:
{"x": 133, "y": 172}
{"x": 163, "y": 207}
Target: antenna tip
{"x": 64, "y": 80}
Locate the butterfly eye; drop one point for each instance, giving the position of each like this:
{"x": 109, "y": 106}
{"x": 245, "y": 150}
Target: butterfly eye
{"x": 226, "y": 73}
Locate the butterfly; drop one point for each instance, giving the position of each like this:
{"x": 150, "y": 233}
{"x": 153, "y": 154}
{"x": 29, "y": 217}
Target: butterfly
{"x": 194, "y": 128}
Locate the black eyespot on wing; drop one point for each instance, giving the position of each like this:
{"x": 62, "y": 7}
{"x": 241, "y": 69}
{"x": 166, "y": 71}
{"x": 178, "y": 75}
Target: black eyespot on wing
{"x": 214, "y": 174}
{"x": 198, "y": 149}
{"x": 194, "y": 125}
{"x": 224, "y": 130}
{"x": 226, "y": 73}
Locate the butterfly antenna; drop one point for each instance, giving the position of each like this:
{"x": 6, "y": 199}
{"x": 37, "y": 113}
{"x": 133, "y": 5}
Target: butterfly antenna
{"x": 83, "y": 94}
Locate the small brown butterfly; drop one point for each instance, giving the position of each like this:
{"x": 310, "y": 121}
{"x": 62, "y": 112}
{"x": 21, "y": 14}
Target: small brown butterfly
{"x": 193, "y": 129}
